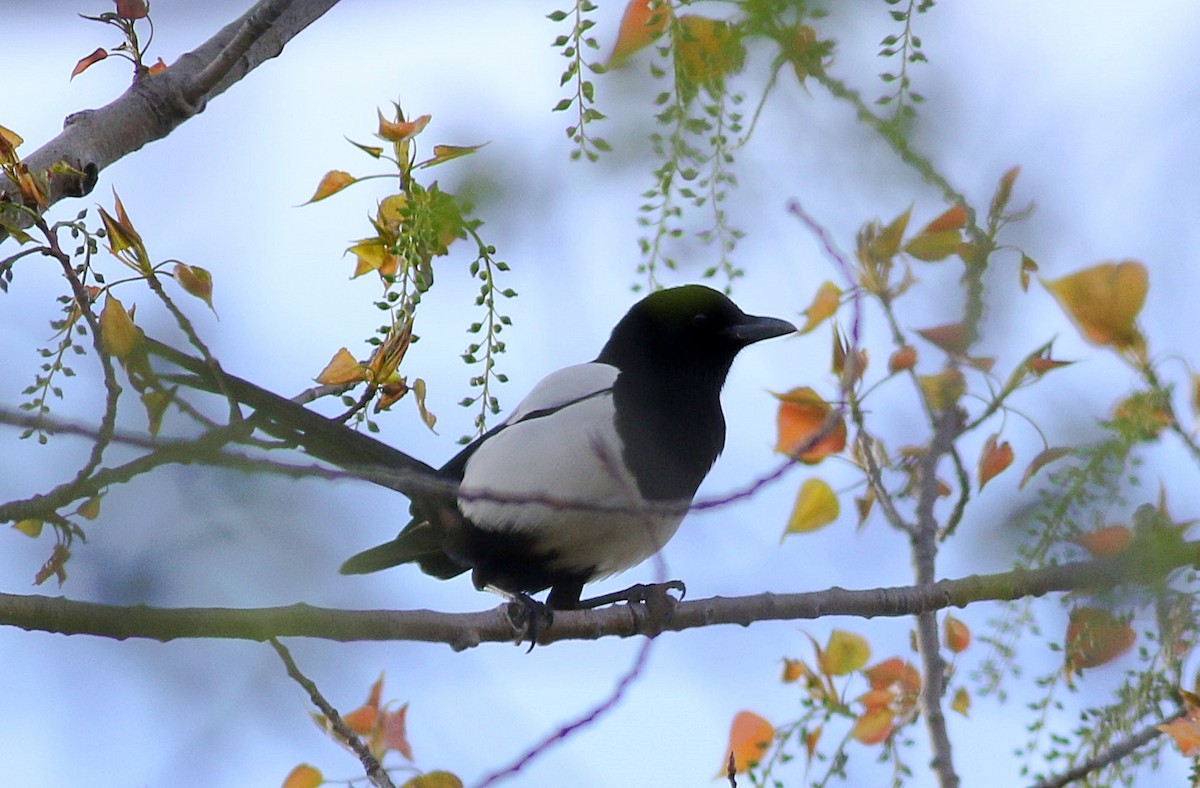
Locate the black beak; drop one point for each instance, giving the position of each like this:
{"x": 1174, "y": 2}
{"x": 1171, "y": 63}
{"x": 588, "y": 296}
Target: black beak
{"x": 753, "y": 328}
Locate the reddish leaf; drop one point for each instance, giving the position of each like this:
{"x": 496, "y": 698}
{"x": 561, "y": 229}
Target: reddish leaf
{"x": 902, "y": 359}
{"x": 993, "y": 459}
{"x": 1043, "y": 459}
{"x": 1095, "y": 637}
{"x": 1028, "y": 269}
{"x": 896, "y": 675}
{"x": 1104, "y": 542}
{"x": 132, "y": 9}
{"x": 954, "y": 218}
{"x": 87, "y": 62}
{"x": 395, "y": 734}
{"x": 954, "y": 338}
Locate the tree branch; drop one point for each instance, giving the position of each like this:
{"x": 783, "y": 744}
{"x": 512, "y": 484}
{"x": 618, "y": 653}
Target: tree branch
{"x": 1113, "y": 754}
{"x": 156, "y": 104}
{"x": 465, "y": 630}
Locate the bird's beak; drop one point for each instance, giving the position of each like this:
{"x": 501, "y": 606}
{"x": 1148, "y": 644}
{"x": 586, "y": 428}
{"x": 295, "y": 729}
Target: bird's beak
{"x": 753, "y": 329}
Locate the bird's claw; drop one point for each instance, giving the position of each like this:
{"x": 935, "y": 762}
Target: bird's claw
{"x": 528, "y": 616}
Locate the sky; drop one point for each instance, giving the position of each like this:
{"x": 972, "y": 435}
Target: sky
{"x": 1092, "y": 101}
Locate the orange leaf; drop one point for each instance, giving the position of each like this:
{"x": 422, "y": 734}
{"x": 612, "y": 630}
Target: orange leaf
{"x": 845, "y": 653}
{"x": 401, "y": 130}
{"x": 1185, "y": 732}
{"x": 823, "y": 306}
{"x": 1003, "y": 192}
{"x": 993, "y": 459}
{"x": 157, "y": 67}
{"x": 1043, "y": 459}
{"x": 902, "y": 359}
{"x": 304, "y": 776}
{"x": 874, "y": 726}
{"x": 749, "y": 737}
{"x": 794, "y": 670}
{"x": 802, "y": 430}
{"x": 87, "y": 62}
{"x": 1095, "y": 637}
{"x": 876, "y": 699}
{"x": 1040, "y": 365}
{"x": 962, "y": 701}
{"x": 894, "y": 674}
{"x": 642, "y": 22}
{"x": 1106, "y": 541}
{"x": 1104, "y": 302}
{"x": 954, "y": 338}
{"x": 810, "y": 741}
{"x": 954, "y": 218}
{"x": 816, "y": 507}
{"x": 956, "y": 634}
{"x": 443, "y": 153}
{"x": 332, "y": 183}
{"x": 429, "y": 419}
{"x": 342, "y": 368}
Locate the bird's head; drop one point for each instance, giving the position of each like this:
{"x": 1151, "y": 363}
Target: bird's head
{"x": 692, "y": 326}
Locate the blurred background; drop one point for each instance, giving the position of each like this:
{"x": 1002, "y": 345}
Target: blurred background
{"x": 1096, "y": 101}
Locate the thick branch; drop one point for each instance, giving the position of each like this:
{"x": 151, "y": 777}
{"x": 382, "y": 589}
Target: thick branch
{"x": 464, "y": 630}
{"x": 156, "y": 104}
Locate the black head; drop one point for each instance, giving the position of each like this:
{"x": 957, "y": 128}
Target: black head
{"x": 692, "y": 327}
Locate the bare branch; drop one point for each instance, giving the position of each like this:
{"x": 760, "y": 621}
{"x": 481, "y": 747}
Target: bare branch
{"x": 1113, "y": 754}
{"x": 156, "y": 104}
{"x": 466, "y": 630}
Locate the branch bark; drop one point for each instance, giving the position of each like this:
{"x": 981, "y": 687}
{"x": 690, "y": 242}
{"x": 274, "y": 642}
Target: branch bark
{"x": 465, "y": 630}
{"x": 155, "y": 105}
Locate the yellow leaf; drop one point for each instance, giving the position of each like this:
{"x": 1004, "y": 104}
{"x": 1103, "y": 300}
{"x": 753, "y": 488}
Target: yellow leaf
{"x": 802, "y": 427}
{"x": 642, "y": 22}
{"x": 707, "y": 49}
{"x": 90, "y": 509}
{"x": 195, "y": 281}
{"x": 342, "y": 368}
{"x": 418, "y": 389}
{"x": 816, "y": 506}
{"x": 887, "y": 242}
{"x": 993, "y": 459}
{"x": 1028, "y": 269}
{"x": 1104, "y": 302}
{"x": 9, "y": 141}
{"x": 749, "y": 737}
{"x": 943, "y": 389}
{"x": 119, "y": 336}
{"x": 332, "y": 183}
{"x": 845, "y": 653}
{"x": 304, "y": 776}
{"x": 30, "y": 526}
{"x": 962, "y": 701}
{"x": 934, "y": 246}
{"x": 823, "y": 306}
{"x": 156, "y": 401}
{"x": 434, "y": 780}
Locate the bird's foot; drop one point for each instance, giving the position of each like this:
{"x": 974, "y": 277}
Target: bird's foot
{"x": 528, "y": 617}
{"x": 650, "y": 594}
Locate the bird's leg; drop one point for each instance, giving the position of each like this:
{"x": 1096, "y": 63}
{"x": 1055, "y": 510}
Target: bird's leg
{"x": 648, "y": 594}
{"x": 528, "y": 616}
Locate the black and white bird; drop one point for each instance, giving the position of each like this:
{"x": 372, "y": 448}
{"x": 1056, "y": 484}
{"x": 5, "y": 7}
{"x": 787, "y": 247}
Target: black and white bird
{"x": 578, "y": 483}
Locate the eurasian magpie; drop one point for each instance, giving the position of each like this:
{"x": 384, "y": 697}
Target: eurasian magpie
{"x": 592, "y": 472}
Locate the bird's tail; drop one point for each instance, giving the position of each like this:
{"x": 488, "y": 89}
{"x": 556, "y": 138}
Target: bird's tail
{"x": 419, "y": 543}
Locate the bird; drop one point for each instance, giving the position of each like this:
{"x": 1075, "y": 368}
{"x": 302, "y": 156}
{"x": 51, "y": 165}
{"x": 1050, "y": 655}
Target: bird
{"x": 592, "y": 472}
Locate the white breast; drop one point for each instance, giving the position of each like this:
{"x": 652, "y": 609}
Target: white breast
{"x": 561, "y": 478}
